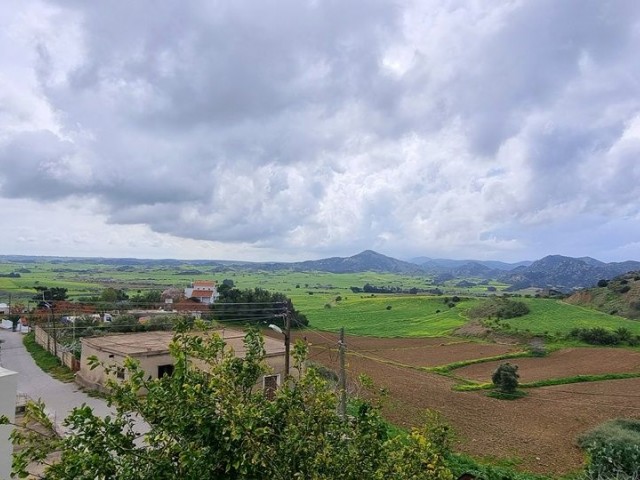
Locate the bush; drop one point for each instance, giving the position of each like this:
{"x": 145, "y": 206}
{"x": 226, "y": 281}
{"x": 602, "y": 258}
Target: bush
{"x": 602, "y": 283}
{"x": 501, "y": 308}
{"x": 601, "y": 336}
{"x": 613, "y": 449}
{"x": 388, "y": 307}
{"x": 624, "y": 289}
{"x": 505, "y": 378}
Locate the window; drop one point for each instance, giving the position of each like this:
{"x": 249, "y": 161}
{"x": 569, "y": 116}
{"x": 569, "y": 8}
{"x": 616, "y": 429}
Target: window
{"x": 120, "y": 373}
{"x": 270, "y": 384}
{"x": 165, "y": 370}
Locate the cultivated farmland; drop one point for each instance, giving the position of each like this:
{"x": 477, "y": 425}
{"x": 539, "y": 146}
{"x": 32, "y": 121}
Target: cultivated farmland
{"x": 536, "y": 432}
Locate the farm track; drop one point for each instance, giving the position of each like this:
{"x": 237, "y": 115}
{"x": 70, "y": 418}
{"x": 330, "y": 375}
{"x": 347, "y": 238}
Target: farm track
{"x": 539, "y": 430}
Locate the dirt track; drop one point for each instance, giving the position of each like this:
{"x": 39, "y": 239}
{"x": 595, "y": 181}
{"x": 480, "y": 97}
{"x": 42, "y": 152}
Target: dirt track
{"x": 539, "y": 430}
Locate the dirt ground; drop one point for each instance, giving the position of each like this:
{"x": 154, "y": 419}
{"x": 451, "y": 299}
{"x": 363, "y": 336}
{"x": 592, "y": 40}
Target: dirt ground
{"x": 538, "y": 431}
{"x": 563, "y": 363}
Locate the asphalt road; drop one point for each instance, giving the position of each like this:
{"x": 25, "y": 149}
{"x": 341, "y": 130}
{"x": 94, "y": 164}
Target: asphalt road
{"x": 59, "y": 397}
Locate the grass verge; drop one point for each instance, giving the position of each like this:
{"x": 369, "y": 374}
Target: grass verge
{"x": 47, "y": 362}
{"x": 446, "y": 369}
{"x": 471, "y": 386}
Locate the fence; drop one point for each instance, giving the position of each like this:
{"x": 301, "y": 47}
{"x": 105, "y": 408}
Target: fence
{"x": 47, "y": 342}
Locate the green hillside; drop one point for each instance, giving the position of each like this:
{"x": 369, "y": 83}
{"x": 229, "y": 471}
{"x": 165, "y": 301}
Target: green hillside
{"x": 619, "y": 296}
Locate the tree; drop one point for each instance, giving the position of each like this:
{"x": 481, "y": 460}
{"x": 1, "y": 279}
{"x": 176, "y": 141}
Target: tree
{"x": 255, "y": 306}
{"x": 213, "y": 422}
{"x": 113, "y": 295}
{"x": 505, "y": 378}
{"x": 49, "y": 294}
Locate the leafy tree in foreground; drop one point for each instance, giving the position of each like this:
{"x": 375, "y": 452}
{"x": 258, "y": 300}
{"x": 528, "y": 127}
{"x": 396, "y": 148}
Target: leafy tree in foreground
{"x": 211, "y": 421}
{"x": 505, "y": 378}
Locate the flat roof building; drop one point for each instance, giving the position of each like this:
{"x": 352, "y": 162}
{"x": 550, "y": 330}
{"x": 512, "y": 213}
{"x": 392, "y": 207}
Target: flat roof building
{"x": 151, "y": 349}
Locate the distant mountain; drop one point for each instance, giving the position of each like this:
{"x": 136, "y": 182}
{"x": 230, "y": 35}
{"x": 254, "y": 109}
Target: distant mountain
{"x": 367, "y": 261}
{"x": 565, "y": 273}
{"x": 474, "y": 269}
{"x": 554, "y": 271}
{"x": 443, "y": 264}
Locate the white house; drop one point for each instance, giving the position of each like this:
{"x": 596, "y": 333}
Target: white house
{"x": 206, "y": 291}
{"x": 8, "y": 387}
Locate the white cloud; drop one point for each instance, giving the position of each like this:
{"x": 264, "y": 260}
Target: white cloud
{"x": 300, "y": 129}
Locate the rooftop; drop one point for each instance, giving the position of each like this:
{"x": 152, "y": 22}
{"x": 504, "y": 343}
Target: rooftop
{"x": 157, "y": 343}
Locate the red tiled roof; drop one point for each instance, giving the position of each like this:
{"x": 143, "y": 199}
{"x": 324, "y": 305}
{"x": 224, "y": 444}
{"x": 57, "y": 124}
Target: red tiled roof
{"x": 202, "y": 294}
{"x": 204, "y": 283}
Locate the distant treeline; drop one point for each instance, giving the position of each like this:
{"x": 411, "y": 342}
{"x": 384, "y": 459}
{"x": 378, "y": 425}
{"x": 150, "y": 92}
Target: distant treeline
{"x": 10, "y": 275}
{"x": 257, "y": 306}
{"x": 368, "y": 288}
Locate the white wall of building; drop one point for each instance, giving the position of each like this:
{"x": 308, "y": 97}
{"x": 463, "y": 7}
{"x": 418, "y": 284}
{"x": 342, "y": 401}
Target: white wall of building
{"x": 8, "y": 388}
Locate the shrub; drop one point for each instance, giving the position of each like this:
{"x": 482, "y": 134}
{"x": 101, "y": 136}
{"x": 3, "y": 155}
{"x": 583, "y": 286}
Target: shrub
{"x": 388, "y": 307}
{"x": 505, "y": 378}
{"x": 595, "y": 336}
{"x": 501, "y": 308}
{"x": 624, "y": 289}
{"x": 613, "y": 449}
{"x": 603, "y": 283}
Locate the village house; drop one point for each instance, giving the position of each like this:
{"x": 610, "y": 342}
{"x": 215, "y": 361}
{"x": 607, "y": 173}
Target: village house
{"x": 205, "y": 291}
{"x": 151, "y": 349}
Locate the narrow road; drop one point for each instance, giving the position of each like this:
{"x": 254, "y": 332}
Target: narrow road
{"x": 59, "y": 397}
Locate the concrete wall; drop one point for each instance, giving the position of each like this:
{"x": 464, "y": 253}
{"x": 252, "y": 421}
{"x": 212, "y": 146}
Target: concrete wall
{"x": 8, "y": 388}
{"x": 46, "y": 341}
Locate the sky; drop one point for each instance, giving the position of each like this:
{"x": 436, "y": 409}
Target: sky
{"x": 301, "y": 129}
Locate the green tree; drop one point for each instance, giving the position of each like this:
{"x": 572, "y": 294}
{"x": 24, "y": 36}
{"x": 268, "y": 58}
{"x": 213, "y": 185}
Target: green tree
{"x": 212, "y": 422}
{"x": 505, "y": 378}
{"x": 50, "y": 294}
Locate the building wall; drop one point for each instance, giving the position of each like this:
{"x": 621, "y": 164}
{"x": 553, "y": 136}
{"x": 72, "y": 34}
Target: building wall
{"x": 8, "y": 388}
{"x": 97, "y": 378}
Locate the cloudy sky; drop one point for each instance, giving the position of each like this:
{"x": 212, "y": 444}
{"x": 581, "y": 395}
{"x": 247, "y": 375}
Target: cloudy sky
{"x": 293, "y": 129}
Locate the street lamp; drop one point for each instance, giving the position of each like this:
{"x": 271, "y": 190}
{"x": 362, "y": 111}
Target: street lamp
{"x": 287, "y": 340}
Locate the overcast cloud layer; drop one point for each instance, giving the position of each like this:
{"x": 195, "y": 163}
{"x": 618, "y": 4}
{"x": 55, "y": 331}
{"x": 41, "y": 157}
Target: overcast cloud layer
{"x": 298, "y": 129}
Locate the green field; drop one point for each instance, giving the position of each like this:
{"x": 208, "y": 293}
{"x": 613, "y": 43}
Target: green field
{"x": 556, "y": 317}
{"x": 409, "y": 316}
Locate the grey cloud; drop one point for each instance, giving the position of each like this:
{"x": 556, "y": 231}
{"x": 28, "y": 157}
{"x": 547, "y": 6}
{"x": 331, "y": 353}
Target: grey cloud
{"x": 32, "y": 162}
{"x": 282, "y": 123}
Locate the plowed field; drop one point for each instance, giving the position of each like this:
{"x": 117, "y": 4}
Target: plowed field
{"x": 539, "y": 430}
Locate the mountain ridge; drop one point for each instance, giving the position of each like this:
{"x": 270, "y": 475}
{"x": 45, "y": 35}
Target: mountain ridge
{"x": 553, "y": 271}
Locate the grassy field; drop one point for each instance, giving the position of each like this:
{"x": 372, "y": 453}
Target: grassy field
{"x": 409, "y": 316}
{"x": 558, "y": 318}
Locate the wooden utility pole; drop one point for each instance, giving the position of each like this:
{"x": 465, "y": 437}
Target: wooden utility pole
{"x": 287, "y": 340}
{"x": 342, "y": 405}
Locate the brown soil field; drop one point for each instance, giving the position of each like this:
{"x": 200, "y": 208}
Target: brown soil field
{"x": 538, "y": 431}
{"x": 563, "y": 363}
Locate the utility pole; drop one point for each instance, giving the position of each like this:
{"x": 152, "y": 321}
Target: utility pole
{"x": 342, "y": 405}
{"x": 287, "y": 339}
